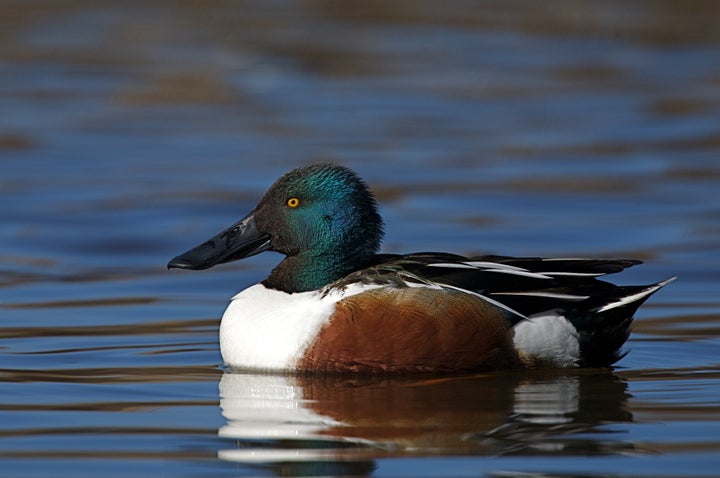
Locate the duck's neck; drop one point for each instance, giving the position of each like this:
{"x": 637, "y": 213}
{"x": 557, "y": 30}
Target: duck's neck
{"x": 306, "y": 272}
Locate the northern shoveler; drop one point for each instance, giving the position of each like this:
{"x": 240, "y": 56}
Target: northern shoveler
{"x": 335, "y": 305}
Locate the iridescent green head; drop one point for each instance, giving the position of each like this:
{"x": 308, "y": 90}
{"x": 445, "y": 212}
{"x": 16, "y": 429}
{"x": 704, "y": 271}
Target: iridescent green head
{"x": 322, "y": 217}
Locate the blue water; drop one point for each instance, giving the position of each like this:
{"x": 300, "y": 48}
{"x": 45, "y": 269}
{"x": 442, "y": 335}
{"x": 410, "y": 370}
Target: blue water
{"x": 130, "y": 132}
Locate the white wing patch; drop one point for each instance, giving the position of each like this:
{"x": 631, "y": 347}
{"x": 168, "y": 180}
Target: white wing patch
{"x": 490, "y": 267}
{"x": 534, "y": 275}
{"x": 486, "y": 299}
{"x": 452, "y": 265}
{"x": 575, "y": 274}
{"x": 549, "y": 295}
{"x": 634, "y": 297}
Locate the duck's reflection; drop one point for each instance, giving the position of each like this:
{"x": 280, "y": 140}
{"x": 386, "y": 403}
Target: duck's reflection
{"x": 340, "y": 425}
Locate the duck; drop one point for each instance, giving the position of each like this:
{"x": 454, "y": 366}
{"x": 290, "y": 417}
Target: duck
{"x": 335, "y": 304}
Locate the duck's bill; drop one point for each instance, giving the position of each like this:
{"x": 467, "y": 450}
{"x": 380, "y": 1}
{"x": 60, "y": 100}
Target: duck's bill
{"x": 239, "y": 241}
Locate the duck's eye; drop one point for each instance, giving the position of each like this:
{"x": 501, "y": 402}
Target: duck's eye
{"x": 293, "y": 202}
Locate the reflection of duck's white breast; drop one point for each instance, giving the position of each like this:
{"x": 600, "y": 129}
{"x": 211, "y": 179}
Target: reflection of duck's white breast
{"x": 267, "y": 407}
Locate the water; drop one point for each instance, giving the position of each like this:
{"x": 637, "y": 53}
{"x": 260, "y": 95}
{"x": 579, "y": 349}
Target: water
{"x": 130, "y": 132}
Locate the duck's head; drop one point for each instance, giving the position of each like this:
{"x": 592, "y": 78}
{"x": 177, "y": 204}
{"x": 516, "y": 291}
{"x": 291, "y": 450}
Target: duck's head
{"x": 322, "y": 217}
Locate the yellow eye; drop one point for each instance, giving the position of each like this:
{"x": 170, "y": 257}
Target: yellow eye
{"x": 293, "y": 202}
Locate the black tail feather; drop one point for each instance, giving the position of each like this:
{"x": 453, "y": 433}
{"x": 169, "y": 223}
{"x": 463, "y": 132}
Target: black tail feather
{"x": 604, "y": 328}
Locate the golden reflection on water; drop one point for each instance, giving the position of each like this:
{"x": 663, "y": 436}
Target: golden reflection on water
{"x": 145, "y": 328}
{"x": 111, "y": 375}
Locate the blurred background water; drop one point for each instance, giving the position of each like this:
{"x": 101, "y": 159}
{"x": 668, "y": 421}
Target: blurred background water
{"x": 130, "y": 131}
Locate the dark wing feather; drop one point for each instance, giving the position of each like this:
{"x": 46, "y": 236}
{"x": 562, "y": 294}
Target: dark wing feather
{"x": 527, "y": 284}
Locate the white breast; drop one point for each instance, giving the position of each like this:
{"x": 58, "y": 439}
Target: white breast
{"x": 266, "y": 329}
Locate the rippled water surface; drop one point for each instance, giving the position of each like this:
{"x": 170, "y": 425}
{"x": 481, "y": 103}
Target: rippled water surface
{"x": 130, "y": 131}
